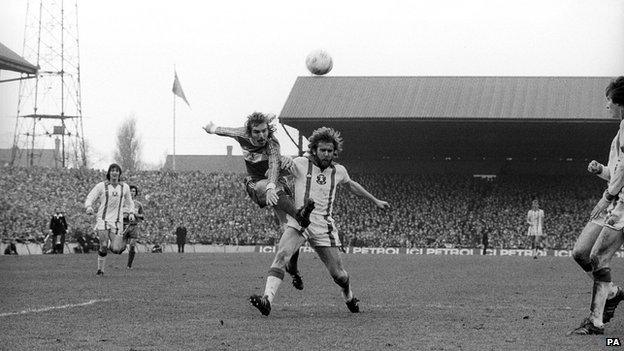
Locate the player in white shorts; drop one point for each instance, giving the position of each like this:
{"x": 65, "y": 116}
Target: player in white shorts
{"x": 115, "y": 200}
{"x": 602, "y": 235}
{"x": 316, "y": 177}
{"x": 535, "y": 220}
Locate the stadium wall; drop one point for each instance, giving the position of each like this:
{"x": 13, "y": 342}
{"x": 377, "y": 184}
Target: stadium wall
{"x": 35, "y": 249}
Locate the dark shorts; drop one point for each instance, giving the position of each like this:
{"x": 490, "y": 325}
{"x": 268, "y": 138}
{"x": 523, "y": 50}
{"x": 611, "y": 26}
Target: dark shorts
{"x": 132, "y": 232}
{"x": 256, "y": 189}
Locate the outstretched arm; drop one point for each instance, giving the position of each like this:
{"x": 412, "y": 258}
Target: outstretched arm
{"x": 212, "y": 128}
{"x": 359, "y": 190}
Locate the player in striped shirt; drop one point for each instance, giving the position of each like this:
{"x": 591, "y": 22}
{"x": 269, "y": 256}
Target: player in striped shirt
{"x": 115, "y": 200}
{"x": 264, "y": 184}
{"x": 603, "y": 234}
{"x": 316, "y": 177}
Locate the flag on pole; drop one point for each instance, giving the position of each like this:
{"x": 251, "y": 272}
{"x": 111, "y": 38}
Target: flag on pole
{"x": 177, "y": 89}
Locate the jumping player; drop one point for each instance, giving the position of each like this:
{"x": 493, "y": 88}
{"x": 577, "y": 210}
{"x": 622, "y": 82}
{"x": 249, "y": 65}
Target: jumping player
{"x": 603, "y": 235}
{"x": 115, "y": 200}
{"x": 263, "y": 183}
{"x": 131, "y": 230}
{"x": 316, "y": 177}
{"x": 535, "y": 220}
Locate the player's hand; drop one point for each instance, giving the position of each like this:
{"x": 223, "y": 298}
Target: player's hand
{"x": 382, "y": 204}
{"x": 594, "y": 167}
{"x": 271, "y": 197}
{"x": 208, "y": 127}
{"x": 599, "y": 208}
{"x": 611, "y": 219}
{"x": 89, "y": 210}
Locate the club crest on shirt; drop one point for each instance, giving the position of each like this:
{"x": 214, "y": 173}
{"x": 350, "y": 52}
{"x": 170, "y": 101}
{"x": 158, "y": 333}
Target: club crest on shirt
{"x": 321, "y": 179}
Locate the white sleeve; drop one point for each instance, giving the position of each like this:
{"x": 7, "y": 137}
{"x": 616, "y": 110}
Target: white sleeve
{"x": 94, "y": 194}
{"x": 344, "y": 174}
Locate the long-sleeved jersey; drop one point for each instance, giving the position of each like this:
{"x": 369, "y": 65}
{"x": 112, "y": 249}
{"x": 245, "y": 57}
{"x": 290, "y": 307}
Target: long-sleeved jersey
{"x": 114, "y": 201}
{"x": 258, "y": 158}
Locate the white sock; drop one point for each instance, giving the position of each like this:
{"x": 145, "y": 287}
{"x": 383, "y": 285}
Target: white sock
{"x": 101, "y": 262}
{"x": 272, "y": 284}
{"x": 598, "y": 303}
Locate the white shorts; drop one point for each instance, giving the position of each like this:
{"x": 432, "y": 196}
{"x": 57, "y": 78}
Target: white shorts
{"x": 616, "y": 216}
{"x": 114, "y": 227}
{"x": 321, "y": 232}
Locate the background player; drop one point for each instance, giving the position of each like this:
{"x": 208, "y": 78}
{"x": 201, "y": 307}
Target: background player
{"x": 316, "y": 177}
{"x": 602, "y": 235}
{"x": 131, "y": 230}
{"x": 263, "y": 183}
{"x": 535, "y": 219}
{"x": 115, "y": 199}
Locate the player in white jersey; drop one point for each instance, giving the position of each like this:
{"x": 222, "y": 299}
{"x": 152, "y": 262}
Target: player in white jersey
{"x": 602, "y": 235}
{"x": 535, "y": 220}
{"x": 115, "y": 200}
{"x": 316, "y": 177}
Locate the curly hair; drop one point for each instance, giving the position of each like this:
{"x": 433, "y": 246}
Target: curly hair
{"x": 325, "y": 135}
{"x": 615, "y": 91}
{"x": 258, "y": 118}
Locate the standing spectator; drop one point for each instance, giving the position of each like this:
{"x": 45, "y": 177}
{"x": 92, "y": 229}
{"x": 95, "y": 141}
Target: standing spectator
{"x": 58, "y": 228}
{"x": 181, "y": 238}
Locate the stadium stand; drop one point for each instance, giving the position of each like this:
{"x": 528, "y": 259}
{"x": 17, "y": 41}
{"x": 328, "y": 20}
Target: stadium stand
{"x": 427, "y": 210}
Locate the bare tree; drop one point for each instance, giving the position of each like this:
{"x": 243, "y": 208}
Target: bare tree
{"x": 128, "y": 152}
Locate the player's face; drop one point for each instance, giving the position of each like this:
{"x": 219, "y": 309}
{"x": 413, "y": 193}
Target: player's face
{"x": 114, "y": 174}
{"x": 535, "y": 205}
{"x": 616, "y": 111}
{"x": 260, "y": 133}
{"x": 133, "y": 191}
{"x": 325, "y": 154}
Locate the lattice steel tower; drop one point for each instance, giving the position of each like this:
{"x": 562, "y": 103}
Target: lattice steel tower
{"x": 49, "y": 112}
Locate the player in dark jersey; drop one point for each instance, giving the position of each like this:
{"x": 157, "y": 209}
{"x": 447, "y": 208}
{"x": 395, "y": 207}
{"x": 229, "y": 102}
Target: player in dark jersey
{"x": 263, "y": 183}
{"x": 131, "y": 230}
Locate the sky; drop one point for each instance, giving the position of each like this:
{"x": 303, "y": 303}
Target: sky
{"x": 236, "y": 57}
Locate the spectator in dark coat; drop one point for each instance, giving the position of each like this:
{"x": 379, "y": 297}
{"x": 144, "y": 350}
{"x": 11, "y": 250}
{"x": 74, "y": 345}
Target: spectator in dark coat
{"x": 58, "y": 227}
{"x": 181, "y": 237}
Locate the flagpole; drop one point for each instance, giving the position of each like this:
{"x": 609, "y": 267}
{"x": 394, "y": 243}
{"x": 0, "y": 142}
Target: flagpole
{"x": 174, "y": 125}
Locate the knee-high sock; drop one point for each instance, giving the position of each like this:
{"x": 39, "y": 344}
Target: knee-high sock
{"x": 600, "y": 292}
{"x": 292, "y": 267}
{"x": 274, "y": 279}
{"x": 101, "y": 260}
{"x": 131, "y": 254}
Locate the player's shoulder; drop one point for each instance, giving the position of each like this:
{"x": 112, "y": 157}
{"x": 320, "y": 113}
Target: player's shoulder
{"x": 300, "y": 160}
{"x": 340, "y": 168}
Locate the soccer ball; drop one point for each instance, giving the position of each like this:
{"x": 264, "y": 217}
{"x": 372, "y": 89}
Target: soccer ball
{"x": 319, "y": 62}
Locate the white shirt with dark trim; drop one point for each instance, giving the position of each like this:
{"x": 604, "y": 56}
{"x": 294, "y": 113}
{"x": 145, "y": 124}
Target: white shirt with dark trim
{"x": 319, "y": 185}
{"x": 114, "y": 201}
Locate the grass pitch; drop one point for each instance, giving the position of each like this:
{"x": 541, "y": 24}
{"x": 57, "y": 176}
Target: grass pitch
{"x": 200, "y": 302}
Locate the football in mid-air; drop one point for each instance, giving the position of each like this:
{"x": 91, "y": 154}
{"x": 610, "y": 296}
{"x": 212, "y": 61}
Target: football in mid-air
{"x": 319, "y": 62}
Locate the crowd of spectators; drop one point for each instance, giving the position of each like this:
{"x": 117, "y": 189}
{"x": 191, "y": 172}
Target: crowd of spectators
{"x": 427, "y": 210}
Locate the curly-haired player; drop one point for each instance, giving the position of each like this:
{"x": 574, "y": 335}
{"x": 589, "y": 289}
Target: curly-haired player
{"x": 316, "y": 177}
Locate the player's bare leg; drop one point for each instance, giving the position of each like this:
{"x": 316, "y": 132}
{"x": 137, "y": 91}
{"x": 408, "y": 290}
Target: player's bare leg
{"x": 104, "y": 237}
{"x": 583, "y": 247}
{"x": 292, "y": 267}
{"x": 607, "y": 243}
{"x": 289, "y": 243}
{"x": 331, "y": 258}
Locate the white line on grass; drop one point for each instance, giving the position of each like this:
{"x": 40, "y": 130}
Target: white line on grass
{"x": 45, "y": 309}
